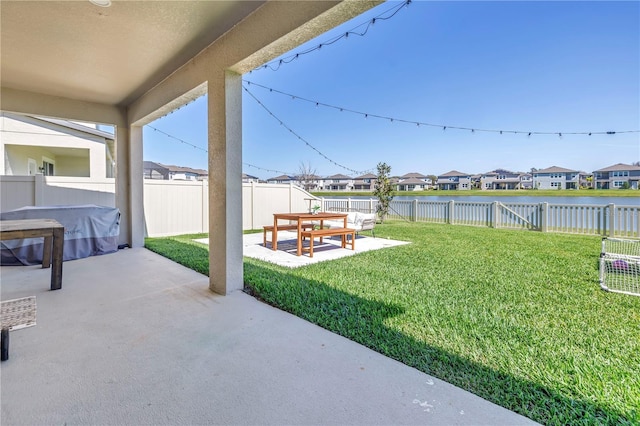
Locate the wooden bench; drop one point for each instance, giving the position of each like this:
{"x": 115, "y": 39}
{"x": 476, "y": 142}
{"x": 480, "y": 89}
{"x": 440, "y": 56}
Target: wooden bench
{"x": 269, "y": 228}
{"x": 329, "y": 232}
{"x": 14, "y": 315}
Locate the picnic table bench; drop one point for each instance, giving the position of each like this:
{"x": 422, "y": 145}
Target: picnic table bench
{"x": 269, "y": 228}
{"x": 329, "y": 232}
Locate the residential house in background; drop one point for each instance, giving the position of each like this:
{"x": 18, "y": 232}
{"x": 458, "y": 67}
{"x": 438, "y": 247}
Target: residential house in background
{"x": 501, "y": 179}
{"x": 617, "y": 176}
{"x": 283, "y": 179}
{"x": 526, "y": 181}
{"x": 249, "y": 179}
{"x": 33, "y": 145}
{"x": 338, "y": 182}
{"x": 169, "y": 172}
{"x": 413, "y": 182}
{"x": 556, "y": 178}
{"x": 454, "y": 181}
{"x": 365, "y": 182}
{"x": 310, "y": 182}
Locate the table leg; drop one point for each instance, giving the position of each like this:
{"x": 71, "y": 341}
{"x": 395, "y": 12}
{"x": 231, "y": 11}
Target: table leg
{"x": 46, "y": 251}
{"x": 58, "y": 254}
{"x": 299, "y": 252}
{"x": 274, "y": 235}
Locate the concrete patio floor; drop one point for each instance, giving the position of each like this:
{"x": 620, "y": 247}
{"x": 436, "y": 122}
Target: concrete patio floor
{"x": 133, "y": 338}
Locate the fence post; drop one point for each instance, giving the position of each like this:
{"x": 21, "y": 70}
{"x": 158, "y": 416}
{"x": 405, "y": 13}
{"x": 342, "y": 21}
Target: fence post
{"x": 450, "y": 219}
{"x": 494, "y": 214}
{"x": 371, "y": 205}
{"x": 349, "y": 204}
{"x": 322, "y": 206}
{"x": 38, "y": 190}
{"x": 612, "y": 219}
{"x": 544, "y": 217}
{"x": 415, "y": 210}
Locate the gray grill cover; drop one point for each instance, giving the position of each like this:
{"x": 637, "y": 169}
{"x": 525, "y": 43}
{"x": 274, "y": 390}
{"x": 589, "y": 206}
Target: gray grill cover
{"x": 89, "y": 230}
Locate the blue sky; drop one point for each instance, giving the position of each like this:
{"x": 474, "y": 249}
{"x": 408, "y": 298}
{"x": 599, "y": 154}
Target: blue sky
{"x": 556, "y": 67}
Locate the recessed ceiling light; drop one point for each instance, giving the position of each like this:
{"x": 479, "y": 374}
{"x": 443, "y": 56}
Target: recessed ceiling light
{"x": 101, "y": 3}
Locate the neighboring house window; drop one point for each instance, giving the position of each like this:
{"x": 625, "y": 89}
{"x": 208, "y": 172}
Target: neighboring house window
{"x": 464, "y": 185}
{"x": 618, "y": 184}
{"x": 555, "y": 184}
{"x": 620, "y": 174}
{"x": 47, "y": 168}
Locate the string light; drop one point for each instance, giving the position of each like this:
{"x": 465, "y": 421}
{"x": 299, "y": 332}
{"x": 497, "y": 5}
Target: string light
{"x": 275, "y": 65}
{"x": 297, "y": 135}
{"x": 182, "y": 141}
{"x": 443, "y": 127}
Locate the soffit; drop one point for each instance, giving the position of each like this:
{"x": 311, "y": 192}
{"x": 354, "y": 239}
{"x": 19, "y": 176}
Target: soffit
{"x": 113, "y": 55}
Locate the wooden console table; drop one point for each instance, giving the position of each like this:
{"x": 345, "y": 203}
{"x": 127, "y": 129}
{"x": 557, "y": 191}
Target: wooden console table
{"x": 53, "y": 233}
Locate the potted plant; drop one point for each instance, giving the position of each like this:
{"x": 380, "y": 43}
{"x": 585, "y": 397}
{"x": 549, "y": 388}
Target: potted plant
{"x": 315, "y": 209}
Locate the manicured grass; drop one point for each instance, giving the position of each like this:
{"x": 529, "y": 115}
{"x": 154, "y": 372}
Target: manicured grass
{"x": 516, "y": 317}
{"x": 496, "y": 193}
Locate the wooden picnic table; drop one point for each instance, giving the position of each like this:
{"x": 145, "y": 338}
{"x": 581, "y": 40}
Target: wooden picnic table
{"x": 300, "y": 218}
{"x": 53, "y": 233}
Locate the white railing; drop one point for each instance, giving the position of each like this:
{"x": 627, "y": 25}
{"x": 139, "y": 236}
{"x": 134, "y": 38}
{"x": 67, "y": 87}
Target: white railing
{"x": 605, "y": 220}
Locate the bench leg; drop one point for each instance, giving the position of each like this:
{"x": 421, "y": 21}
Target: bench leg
{"x": 311, "y": 246}
{"x": 4, "y": 343}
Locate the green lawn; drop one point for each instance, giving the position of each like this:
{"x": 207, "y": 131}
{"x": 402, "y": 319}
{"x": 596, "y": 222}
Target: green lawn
{"x": 516, "y": 317}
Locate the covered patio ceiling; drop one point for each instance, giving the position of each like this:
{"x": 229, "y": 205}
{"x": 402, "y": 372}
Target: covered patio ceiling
{"x": 108, "y": 55}
{"x": 114, "y": 55}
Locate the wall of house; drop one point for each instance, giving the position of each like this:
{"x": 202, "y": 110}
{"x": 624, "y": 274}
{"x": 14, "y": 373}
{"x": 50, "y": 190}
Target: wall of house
{"x": 27, "y": 137}
{"x": 16, "y": 158}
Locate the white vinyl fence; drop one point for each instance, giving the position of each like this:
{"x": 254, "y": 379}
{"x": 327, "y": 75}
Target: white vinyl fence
{"x": 606, "y": 220}
{"x": 171, "y": 207}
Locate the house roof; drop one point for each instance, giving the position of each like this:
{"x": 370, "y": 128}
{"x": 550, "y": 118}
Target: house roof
{"x": 72, "y": 125}
{"x": 182, "y": 169}
{"x": 412, "y": 181}
{"x": 619, "y": 168}
{"x": 282, "y": 177}
{"x": 367, "y": 176}
{"x": 173, "y": 169}
{"x": 246, "y": 176}
{"x": 413, "y": 175}
{"x": 339, "y": 176}
{"x": 555, "y": 169}
{"x": 453, "y": 173}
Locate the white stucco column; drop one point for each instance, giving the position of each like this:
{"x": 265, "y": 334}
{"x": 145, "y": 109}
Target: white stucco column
{"x": 129, "y": 185}
{"x": 136, "y": 186}
{"x": 225, "y": 182}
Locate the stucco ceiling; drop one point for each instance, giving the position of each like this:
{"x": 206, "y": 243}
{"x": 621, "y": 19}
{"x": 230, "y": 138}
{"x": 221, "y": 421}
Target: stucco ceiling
{"x": 112, "y": 55}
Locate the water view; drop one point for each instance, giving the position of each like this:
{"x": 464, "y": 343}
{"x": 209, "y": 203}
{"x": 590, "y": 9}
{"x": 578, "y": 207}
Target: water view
{"x": 626, "y": 201}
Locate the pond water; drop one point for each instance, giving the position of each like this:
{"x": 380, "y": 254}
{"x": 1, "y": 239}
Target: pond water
{"x": 623, "y": 201}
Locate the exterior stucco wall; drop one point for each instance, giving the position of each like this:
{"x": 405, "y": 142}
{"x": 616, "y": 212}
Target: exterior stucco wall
{"x": 74, "y": 153}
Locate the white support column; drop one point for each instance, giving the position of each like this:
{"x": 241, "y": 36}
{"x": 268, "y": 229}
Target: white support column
{"x": 129, "y": 185}
{"x": 136, "y": 186}
{"x": 225, "y": 182}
